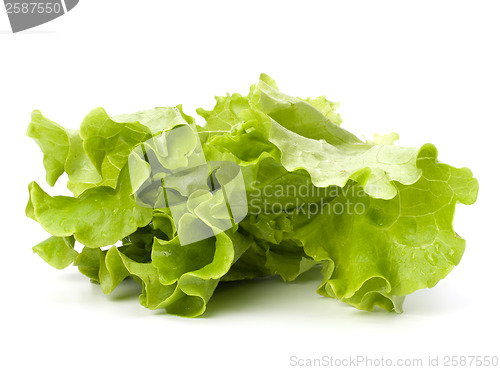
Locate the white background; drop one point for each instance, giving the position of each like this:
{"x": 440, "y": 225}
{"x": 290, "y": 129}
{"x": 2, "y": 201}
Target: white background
{"x": 428, "y": 70}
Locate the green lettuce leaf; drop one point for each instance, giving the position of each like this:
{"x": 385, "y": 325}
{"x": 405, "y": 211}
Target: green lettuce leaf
{"x": 53, "y": 140}
{"x": 383, "y": 250}
{"x": 97, "y": 218}
{"x": 95, "y": 154}
{"x": 57, "y": 251}
{"x": 269, "y": 185}
{"x": 108, "y": 141}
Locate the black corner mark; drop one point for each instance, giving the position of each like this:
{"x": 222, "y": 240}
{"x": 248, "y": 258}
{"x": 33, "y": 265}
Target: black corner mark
{"x": 25, "y": 14}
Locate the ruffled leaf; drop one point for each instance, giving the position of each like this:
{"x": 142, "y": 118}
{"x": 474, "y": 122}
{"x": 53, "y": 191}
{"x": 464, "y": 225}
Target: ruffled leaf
{"x": 384, "y": 249}
{"x": 57, "y": 252}
{"x": 97, "y": 218}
